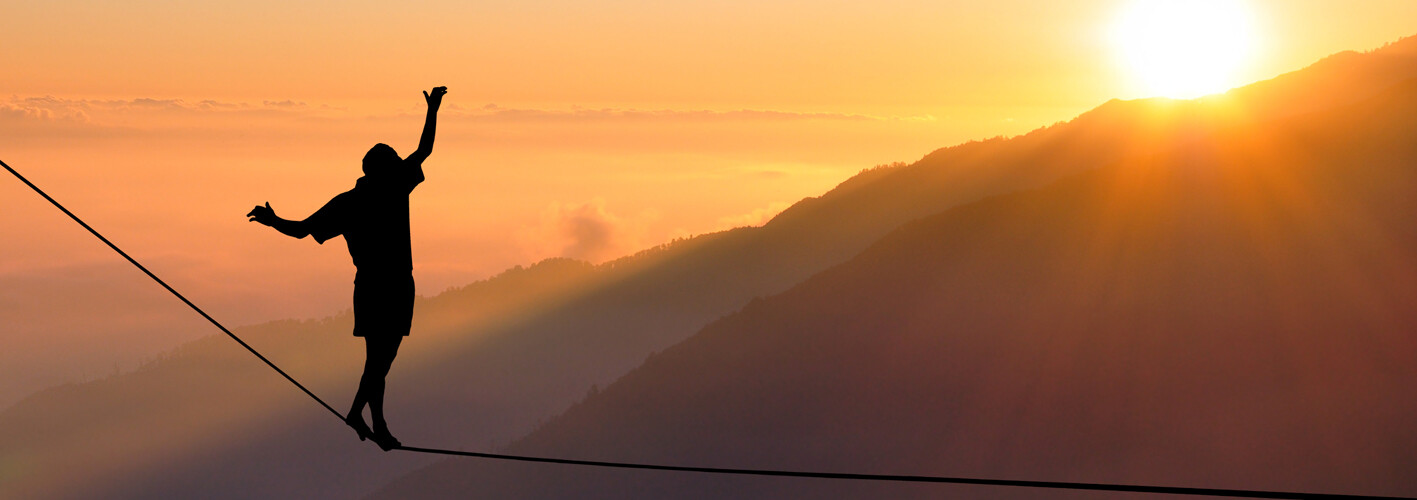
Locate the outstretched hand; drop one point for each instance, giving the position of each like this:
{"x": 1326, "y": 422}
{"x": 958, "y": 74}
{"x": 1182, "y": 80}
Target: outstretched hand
{"x": 262, "y": 214}
{"x": 436, "y": 98}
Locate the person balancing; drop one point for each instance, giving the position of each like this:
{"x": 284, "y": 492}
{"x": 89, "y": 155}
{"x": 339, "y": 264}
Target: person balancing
{"x": 373, "y": 218}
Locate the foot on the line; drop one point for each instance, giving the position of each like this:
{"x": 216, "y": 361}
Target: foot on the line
{"x": 385, "y": 440}
{"x": 357, "y": 422}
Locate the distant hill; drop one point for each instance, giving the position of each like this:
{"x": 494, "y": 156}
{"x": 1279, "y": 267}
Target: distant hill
{"x": 1231, "y": 305}
{"x": 488, "y": 362}
{"x": 209, "y": 403}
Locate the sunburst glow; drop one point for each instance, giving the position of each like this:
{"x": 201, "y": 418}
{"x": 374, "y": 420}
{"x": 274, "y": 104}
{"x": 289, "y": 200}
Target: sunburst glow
{"x": 1185, "y": 48}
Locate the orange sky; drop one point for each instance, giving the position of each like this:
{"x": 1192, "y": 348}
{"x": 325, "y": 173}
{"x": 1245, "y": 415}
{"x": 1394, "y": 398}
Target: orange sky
{"x": 163, "y": 122}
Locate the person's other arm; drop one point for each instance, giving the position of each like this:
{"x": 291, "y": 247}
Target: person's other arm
{"x": 430, "y": 126}
{"x": 292, "y": 228}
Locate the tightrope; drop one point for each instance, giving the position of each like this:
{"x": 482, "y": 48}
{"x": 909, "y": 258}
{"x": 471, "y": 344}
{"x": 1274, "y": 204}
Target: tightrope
{"x": 1170, "y": 490}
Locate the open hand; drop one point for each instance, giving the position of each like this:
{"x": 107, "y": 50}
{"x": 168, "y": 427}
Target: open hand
{"x": 262, "y": 214}
{"x": 436, "y": 98}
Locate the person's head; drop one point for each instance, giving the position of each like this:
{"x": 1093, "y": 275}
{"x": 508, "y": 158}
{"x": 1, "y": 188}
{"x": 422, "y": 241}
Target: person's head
{"x": 380, "y": 158}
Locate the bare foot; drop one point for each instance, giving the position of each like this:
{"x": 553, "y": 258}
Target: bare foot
{"x": 357, "y": 422}
{"x": 385, "y": 440}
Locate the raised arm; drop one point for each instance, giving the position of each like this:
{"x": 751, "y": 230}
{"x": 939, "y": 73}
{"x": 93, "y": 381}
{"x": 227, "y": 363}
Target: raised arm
{"x": 292, "y": 228}
{"x": 430, "y": 125}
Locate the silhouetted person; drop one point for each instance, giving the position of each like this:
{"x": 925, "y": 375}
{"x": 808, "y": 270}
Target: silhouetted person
{"x": 373, "y": 217}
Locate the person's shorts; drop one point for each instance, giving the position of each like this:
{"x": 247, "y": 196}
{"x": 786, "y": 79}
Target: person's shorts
{"x": 383, "y": 306}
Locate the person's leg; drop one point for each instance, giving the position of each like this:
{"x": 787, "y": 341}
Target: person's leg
{"x": 355, "y": 417}
{"x": 381, "y": 357}
{"x": 361, "y": 396}
{"x": 363, "y": 317}
{"x": 395, "y": 313}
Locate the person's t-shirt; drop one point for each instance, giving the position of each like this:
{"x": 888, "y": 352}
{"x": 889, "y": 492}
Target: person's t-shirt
{"x": 373, "y": 217}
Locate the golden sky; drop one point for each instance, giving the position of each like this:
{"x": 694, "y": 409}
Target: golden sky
{"x": 902, "y": 56}
{"x": 162, "y": 122}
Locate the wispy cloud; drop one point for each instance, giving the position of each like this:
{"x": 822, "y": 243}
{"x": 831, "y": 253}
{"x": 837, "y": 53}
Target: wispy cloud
{"x": 42, "y": 110}
{"x": 498, "y": 113}
{"x": 54, "y": 117}
{"x": 50, "y": 108}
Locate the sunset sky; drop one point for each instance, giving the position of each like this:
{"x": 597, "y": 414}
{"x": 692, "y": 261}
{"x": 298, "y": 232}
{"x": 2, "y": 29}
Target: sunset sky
{"x": 579, "y": 129}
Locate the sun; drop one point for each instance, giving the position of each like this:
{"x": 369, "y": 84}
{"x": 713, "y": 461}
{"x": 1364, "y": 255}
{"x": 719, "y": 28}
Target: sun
{"x": 1184, "y": 48}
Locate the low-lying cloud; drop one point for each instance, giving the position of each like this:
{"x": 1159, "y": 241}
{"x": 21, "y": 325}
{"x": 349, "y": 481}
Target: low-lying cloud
{"x": 755, "y": 218}
{"x": 586, "y": 231}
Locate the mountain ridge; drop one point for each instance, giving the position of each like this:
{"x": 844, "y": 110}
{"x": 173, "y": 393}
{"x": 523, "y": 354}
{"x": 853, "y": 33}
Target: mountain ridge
{"x": 1250, "y": 250}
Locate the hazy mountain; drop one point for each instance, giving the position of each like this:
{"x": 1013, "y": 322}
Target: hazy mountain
{"x": 1232, "y": 305}
{"x": 487, "y": 363}
{"x": 209, "y": 420}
